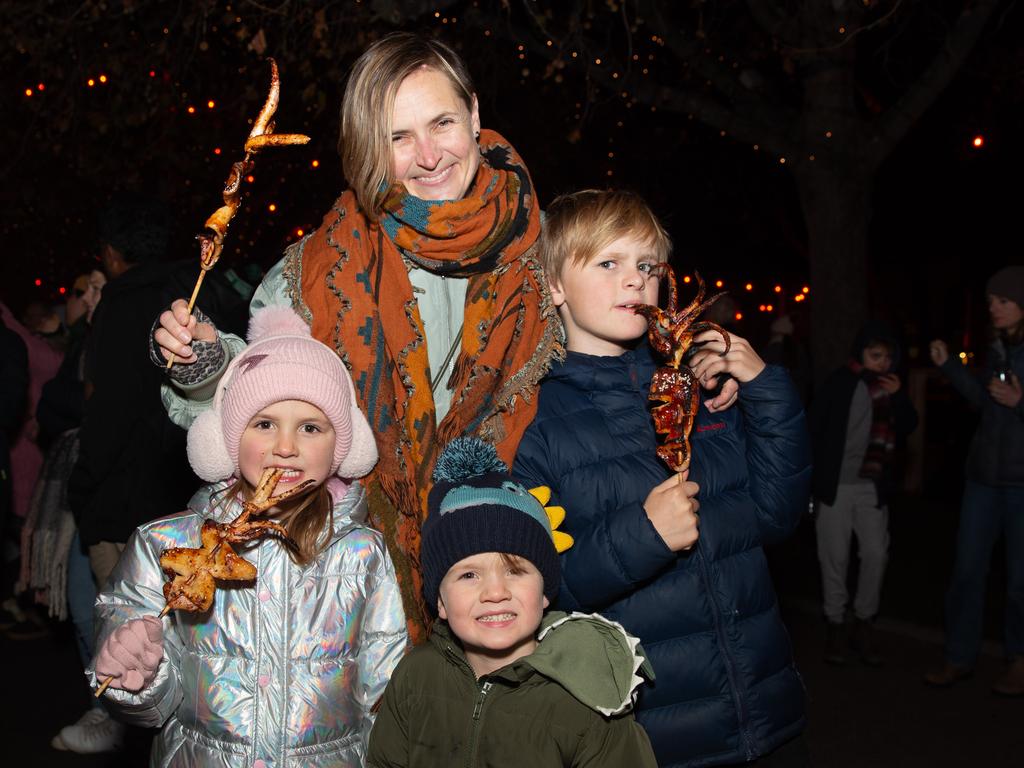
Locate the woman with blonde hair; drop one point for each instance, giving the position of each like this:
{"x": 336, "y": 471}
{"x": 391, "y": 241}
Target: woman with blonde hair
{"x": 422, "y": 277}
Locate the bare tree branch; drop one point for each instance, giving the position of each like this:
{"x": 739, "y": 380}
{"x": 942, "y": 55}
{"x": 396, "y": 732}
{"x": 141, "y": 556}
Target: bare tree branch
{"x": 897, "y": 121}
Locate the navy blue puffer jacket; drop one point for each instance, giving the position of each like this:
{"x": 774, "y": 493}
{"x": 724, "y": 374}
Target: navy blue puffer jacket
{"x": 727, "y": 690}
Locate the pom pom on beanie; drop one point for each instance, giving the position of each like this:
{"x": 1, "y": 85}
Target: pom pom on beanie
{"x": 475, "y": 507}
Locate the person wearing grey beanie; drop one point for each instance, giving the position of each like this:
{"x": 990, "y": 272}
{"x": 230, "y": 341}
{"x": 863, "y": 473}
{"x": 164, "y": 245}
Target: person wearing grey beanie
{"x": 993, "y": 492}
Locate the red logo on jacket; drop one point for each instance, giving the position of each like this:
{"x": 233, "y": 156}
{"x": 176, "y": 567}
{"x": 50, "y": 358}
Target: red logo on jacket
{"x": 711, "y": 427}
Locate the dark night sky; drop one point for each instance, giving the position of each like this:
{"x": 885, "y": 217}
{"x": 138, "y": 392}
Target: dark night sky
{"x": 732, "y": 212}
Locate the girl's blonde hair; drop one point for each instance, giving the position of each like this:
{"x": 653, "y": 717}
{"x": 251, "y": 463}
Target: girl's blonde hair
{"x": 579, "y": 225}
{"x": 311, "y": 520}
{"x": 366, "y": 109}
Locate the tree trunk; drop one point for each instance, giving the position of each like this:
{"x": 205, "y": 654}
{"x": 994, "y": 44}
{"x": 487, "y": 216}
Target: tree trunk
{"x": 836, "y": 211}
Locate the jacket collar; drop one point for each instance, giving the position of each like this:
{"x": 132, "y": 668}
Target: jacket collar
{"x": 570, "y": 647}
{"x": 589, "y": 372}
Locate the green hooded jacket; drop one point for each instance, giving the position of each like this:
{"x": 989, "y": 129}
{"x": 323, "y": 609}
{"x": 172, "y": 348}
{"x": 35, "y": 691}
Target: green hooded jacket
{"x": 566, "y": 704}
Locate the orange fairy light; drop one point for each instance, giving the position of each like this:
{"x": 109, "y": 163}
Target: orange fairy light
{"x": 686, "y": 278}
{"x": 103, "y": 78}
{"x": 272, "y": 207}
{"x": 978, "y": 141}
{"x": 250, "y": 178}
{"x": 28, "y": 91}
{"x": 805, "y": 289}
{"x": 216, "y": 150}
{"x": 777, "y": 289}
{"x": 90, "y": 82}
{"x": 749, "y": 286}
{"x": 210, "y": 104}
{"x": 738, "y": 315}
{"x": 300, "y": 232}
{"x": 315, "y": 163}
{"x": 768, "y": 308}
{"x": 41, "y": 86}
{"x": 191, "y": 110}
{"x": 719, "y": 283}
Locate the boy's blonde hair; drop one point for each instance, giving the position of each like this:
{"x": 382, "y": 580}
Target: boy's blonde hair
{"x": 581, "y": 224}
{"x": 366, "y": 110}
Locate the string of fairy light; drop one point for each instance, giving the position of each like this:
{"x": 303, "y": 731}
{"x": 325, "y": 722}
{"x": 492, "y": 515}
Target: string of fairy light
{"x": 192, "y": 108}
{"x": 643, "y": 62}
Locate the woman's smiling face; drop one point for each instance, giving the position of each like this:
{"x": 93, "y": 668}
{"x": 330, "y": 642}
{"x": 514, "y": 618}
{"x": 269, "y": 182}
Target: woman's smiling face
{"x": 433, "y": 137}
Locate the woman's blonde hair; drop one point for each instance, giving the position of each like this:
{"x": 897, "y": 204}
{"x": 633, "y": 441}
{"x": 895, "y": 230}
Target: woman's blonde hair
{"x": 366, "y": 110}
{"x": 310, "y": 522}
{"x": 581, "y": 224}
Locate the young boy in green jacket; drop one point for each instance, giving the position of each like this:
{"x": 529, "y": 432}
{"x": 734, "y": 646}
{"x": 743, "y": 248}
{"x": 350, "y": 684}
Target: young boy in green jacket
{"x": 499, "y": 682}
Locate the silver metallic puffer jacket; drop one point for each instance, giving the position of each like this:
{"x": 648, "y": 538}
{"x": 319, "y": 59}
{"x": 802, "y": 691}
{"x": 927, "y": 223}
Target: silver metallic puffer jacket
{"x": 280, "y": 673}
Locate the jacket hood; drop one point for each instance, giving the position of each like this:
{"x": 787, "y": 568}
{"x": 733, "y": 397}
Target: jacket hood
{"x": 873, "y": 332}
{"x": 570, "y": 647}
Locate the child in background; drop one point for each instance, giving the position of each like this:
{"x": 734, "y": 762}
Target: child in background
{"x": 284, "y": 672}
{"x": 727, "y": 690}
{"x": 858, "y": 415}
{"x": 500, "y": 682}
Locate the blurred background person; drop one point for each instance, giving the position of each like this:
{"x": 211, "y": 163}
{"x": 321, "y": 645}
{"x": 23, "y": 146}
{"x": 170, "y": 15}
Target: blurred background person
{"x": 993, "y": 500}
{"x": 859, "y": 414}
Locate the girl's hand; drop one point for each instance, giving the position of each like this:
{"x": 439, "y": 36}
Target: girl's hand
{"x": 938, "y": 351}
{"x": 1006, "y": 393}
{"x": 742, "y": 362}
{"x": 177, "y": 330}
{"x": 132, "y": 654}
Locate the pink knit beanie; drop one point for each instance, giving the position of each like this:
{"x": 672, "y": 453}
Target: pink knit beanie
{"x": 282, "y": 362}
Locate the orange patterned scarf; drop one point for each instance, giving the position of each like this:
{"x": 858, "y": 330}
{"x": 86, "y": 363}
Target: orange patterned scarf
{"x": 351, "y": 280}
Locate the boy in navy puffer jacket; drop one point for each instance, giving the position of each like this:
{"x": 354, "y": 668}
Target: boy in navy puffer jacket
{"x": 727, "y": 690}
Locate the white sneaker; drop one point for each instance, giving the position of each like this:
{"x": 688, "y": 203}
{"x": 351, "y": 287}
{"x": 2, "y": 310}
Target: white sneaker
{"x": 94, "y": 732}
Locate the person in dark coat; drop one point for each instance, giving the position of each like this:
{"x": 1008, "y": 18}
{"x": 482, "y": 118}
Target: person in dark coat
{"x": 727, "y": 690}
{"x": 993, "y": 501}
{"x": 131, "y": 466}
{"x": 858, "y": 416}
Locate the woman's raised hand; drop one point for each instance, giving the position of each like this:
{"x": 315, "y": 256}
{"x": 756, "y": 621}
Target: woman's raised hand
{"x": 177, "y": 330}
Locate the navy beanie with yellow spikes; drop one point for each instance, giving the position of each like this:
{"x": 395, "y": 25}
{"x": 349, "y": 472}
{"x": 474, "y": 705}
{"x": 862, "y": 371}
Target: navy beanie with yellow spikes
{"x": 475, "y": 507}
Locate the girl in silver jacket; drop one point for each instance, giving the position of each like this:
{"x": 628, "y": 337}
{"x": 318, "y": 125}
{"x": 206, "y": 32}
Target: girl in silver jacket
{"x": 284, "y": 671}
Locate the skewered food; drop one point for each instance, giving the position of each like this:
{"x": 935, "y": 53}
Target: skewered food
{"x": 674, "y": 385}
{"x": 196, "y": 569}
{"x": 262, "y": 135}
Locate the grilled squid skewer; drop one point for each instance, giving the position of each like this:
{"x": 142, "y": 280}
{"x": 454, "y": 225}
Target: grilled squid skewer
{"x": 262, "y": 135}
{"x": 197, "y": 569}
